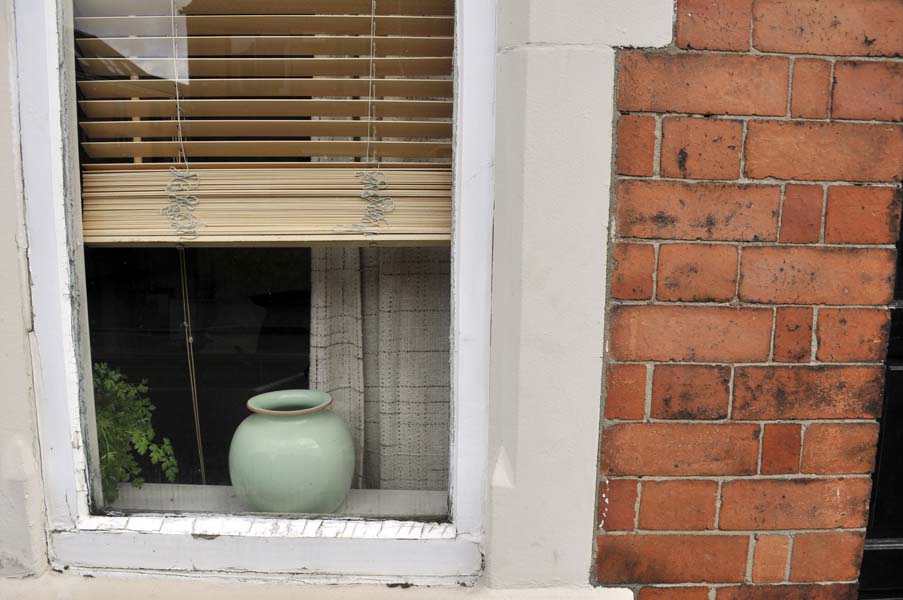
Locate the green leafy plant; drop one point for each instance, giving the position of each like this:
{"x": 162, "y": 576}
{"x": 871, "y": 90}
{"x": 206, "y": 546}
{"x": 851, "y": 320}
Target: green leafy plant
{"x": 125, "y": 430}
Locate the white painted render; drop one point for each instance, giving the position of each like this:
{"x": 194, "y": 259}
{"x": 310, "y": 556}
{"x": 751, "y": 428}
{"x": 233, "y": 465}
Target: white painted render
{"x": 72, "y": 587}
{"x": 22, "y": 549}
{"x": 552, "y": 137}
{"x": 555, "y": 110}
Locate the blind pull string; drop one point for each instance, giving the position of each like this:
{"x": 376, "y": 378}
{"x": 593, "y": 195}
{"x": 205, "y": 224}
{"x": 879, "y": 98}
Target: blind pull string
{"x": 175, "y": 70}
{"x": 189, "y": 350}
{"x": 372, "y": 72}
{"x": 181, "y": 205}
{"x": 374, "y": 183}
{"x": 181, "y": 216}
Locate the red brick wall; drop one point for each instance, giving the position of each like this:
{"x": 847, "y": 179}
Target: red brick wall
{"x": 756, "y": 209}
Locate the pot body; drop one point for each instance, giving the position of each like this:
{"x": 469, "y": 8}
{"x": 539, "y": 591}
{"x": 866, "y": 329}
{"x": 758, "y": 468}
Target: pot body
{"x": 292, "y": 463}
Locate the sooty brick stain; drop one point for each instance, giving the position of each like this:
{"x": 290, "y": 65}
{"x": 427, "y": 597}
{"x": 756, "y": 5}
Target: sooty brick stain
{"x": 800, "y": 355}
{"x": 874, "y": 403}
{"x": 782, "y": 400}
{"x": 867, "y": 41}
{"x": 662, "y": 219}
{"x": 709, "y": 223}
{"x": 686, "y": 414}
{"x": 682, "y": 161}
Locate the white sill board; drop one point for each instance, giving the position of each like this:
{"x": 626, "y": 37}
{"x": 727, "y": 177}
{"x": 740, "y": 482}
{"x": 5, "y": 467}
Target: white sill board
{"x": 175, "y": 498}
{"x": 73, "y": 587}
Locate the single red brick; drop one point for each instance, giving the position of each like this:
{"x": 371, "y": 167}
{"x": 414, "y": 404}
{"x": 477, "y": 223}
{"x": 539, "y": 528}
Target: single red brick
{"x": 819, "y": 392}
{"x": 811, "y": 93}
{"x": 636, "y": 145}
{"x": 809, "y": 151}
{"x": 617, "y": 504}
{"x": 703, "y": 83}
{"x": 680, "y": 449}
{"x": 807, "y": 275}
{"x": 625, "y": 396}
{"x": 695, "y": 148}
{"x": 674, "y": 593}
{"x": 781, "y": 444}
{"x": 769, "y": 504}
{"x": 714, "y": 24}
{"x": 862, "y": 215}
{"x": 801, "y": 214}
{"x": 793, "y": 334}
{"x": 674, "y": 210}
{"x": 690, "y": 392}
{"x": 697, "y": 272}
{"x": 833, "y": 27}
{"x": 852, "y": 335}
{"x": 633, "y": 559}
{"x": 770, "y": 558}
{"x": 841, "y": 591}
{"x": 827, "y": 556}
{"x": 836, "y": 448}
{"x": 632, "y": 267}
{"x": 678, "y": 505}
{"x": 689, "y": 333}
{"x": 868, "y": 90}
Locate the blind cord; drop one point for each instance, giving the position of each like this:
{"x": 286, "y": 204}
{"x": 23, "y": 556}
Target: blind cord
{"x": 189, "y": 350}
{"x": 175, "y": 71}
{"x": 373, "y": 183}
{"x": 180, "y": 209}
{"x": 372, "y": 72}
{"x": 180, "y": 213}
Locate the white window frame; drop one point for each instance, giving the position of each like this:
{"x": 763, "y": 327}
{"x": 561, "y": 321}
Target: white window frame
{"x": 322, "y": 550}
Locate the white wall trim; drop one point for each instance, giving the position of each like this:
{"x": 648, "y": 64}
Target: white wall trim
{"x": 125, "y": 584}
{"x": 311, "y": 549}
{"x": 474, "y": 157}
{"x": 555, "y": 86}
{"x": 56, "y": 370}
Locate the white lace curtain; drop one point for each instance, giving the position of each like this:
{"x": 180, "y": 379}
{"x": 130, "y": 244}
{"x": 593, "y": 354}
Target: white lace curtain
{"x": 380, "y": 346}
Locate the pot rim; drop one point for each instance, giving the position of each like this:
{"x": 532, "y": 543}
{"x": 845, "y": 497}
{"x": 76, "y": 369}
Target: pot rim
{"x": 266, "y": 404}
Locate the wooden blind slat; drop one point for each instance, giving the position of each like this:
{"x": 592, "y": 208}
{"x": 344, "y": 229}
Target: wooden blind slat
{"x": 100, "y": 8}
{"x": 267, "y": 148}
{"x": 235, "y": 46}
{"x": 201, "y": 167}
{"x": 274, "y": 88}
{"x": 251, "y": 128}
{"x": 250, "y": 108}
{"x": 291, "y": 24}
{"x": 265, "y": 67}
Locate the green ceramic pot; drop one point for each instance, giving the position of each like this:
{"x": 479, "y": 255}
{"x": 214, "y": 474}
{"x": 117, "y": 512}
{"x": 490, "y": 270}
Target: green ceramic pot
{"x": 292, "y": 455}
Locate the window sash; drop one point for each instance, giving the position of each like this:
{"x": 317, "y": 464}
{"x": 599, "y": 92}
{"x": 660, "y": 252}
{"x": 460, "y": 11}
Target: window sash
{"x": 86, "y": 542}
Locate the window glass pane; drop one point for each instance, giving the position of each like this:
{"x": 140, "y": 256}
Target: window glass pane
{"x": 250, "y": 313}
{"x": 375, "y": 322}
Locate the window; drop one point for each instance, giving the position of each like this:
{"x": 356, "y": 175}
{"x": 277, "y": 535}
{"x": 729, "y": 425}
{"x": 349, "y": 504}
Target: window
{"x": 302, "y": 546}
{"x": 220, "y": 141}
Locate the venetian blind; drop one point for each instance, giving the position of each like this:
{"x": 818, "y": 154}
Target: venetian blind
{"x": 265, "y": 122}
